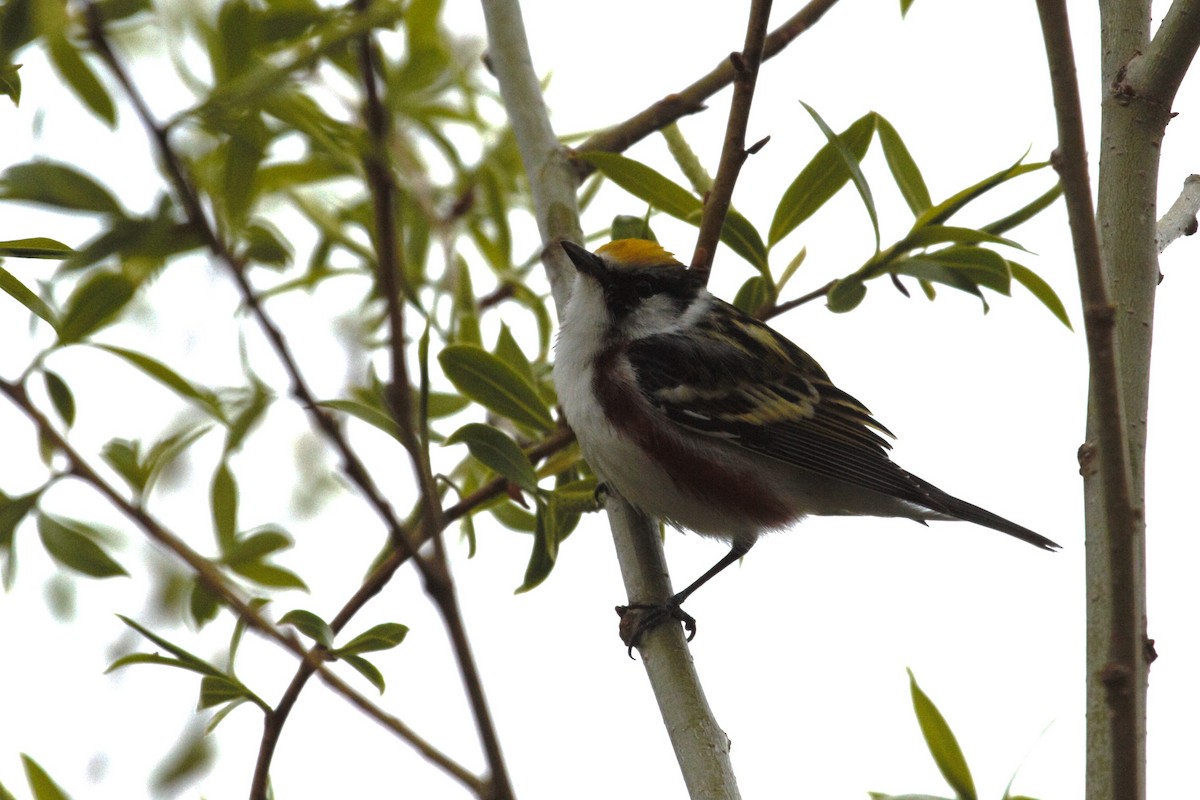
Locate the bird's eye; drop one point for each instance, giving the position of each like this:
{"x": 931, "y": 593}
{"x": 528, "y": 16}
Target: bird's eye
{"x": 644, "y": 288}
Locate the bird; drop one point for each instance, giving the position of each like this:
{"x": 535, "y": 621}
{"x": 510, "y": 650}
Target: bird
{"x": 710, "y": 420}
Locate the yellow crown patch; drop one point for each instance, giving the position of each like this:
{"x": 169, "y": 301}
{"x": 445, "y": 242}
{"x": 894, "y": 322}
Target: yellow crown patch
{"x": 635, "y": 253}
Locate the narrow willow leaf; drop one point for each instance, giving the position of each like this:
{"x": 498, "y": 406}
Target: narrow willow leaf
{"x": 509, "y": 351}
{"x": 820, "y": 180}
{"x": 367, "y": 670}
{"x": 985, "y": 267}
{"x": 1026, "y": 212}
{"x": 1041, "y": 290}
{"x": 494, "y": 385}
{"x": 218, "y": 689}
{"x": 850, "y": 160}
{"x": 204, "y": 399}
{"x": 82, "y": 80}
{"x": 646, "y": 183}
{"x": 905, "y": 5}
{"x": 941, "y": 742}
{"x": 904, "y": 169}
{"x": 754, "y": 295}
{"x": 60, "y": 396}
{"x": 310, "y": 625}
{"x": 494, "y": 449}
{"x": 36, "y": 247}
{"x": 186, "y": 660}
{"x": 931, "y": 270}
{"x": 19, "y": 292}
{"x": 256, "y": 546}
{"x": 543, "y": 554}
{"x": 72, "y": 545}
{"x": 928, "y": 235}
{"x": 10, "y": 82}
{"x": 203, "y": 604}
{"x": 269, "y": 575}
{"x": 57, "y": 184}
{"x": 947, "y": 208}
{"x": 12, "y": 511}
{"x": 94, "y": 304}
{"x": 40, "y": 782}
{"x": 845, "y": 295}
{"x": 384, "y": 636}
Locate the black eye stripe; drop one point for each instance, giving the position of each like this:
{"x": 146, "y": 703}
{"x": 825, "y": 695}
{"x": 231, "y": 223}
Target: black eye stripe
{"x": 625, "y": 290}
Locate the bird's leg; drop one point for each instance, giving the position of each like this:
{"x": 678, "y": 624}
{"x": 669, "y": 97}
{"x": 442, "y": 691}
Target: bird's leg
{"x": 651, "y": 615}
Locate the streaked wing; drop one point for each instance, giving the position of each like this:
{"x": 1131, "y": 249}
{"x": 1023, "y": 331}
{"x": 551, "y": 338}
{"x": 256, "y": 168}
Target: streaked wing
{"x": 748, "y": 385}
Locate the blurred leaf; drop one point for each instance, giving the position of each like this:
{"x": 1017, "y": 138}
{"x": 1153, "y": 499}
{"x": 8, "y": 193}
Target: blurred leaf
{"x": 56, "y": 184}
{"x": 73, "y": 545}
{"x": 754, "y": 295}
{"x": 626, "y": 226}
{"x": 494, "y": 449}
{"x": 224, "y": 505}
{"x": 76, "y": 73}
{"x": 266, "y": 245}
{"x": 930, "y": 269}
{"x": 218, "y": 689}
{"x": 984, "y": 267}
{"x": 36, "y": 247}
{"x": 60, "y": 396}
{"x": 192, "y": 755}
{"x": 185, "y": 659}
{"x": 256, "y": 546}
{"x": 1041, "y": 290}
{"x": 443, "y": 404}
{"x": 202, "y": 604}
{"x": 10, "y": 82}
{"x": 367, "y": 670}
{"x": 19, "y": 292}
{"x": 941, "y": 742}
{"x": 820, "y": 179}
{"x": 845, "y": 295}
{"x": 95, "y": 303}
{"x": 384, "y": 636}
{"x": 245, "y": 412}
{"x": 40, "y": 782}
{"x": 938, "y": 234}
{"x": 508, "y": 351}
{"x": 270, "y": 575}
{"x": 494, "y": 385}
{"x": 204, "y": 399}
{"x": 369, "y": 415}
{"x": 850, "y": 161}
{"x": 905, "y": 5}
{"x": 310, "y": 625}
{"x": 904, "y": 169}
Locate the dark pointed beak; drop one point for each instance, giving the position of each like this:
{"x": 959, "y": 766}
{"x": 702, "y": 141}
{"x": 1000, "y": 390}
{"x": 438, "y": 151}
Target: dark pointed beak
{"x": 586, "y": 262}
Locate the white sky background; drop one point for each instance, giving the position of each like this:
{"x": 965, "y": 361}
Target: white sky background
{"x": 802, "y": 649}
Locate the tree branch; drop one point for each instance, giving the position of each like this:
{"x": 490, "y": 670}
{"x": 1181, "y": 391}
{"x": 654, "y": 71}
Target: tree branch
{"x": 1180, "y": 219}
{"x": 733, "y": 152}
{"x": 691, "y": 99}
{"x": 1157, "y": 73}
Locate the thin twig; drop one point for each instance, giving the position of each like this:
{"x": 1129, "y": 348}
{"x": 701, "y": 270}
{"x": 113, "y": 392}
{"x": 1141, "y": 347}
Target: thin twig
{"x": 733, "y": 151}
{"x": 782, "y": 308}
{"x": 1121, "y": 518}
{"x": 690, "y": 100}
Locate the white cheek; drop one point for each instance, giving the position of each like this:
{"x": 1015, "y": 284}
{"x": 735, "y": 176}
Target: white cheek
{"x": 659, "y": 315}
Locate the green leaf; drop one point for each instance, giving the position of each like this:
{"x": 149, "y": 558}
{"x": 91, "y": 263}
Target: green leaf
{"x": 224, "y": 505}
{"x": 94, "y": 303}
{"x": 494, "y": 385}
{"x": 60, "y": 396}
{"x": 205, "y": 400}
{"x": 367, "y": 670}
{"x": 256, "y": 546}
{"x": 754, "y": 295}
{"x": 850, "y": 161}
{"x": 820, "y": 179}
{"x": 10, "y": 82}
{"x": 203, "y": 604}
{"x": 508, "y": 351}
{"x": 953, "y": 204}
{"x": 270, "y": 575}
{"x": 366, "y": 413}
{"x": 904, "y": 169}
{"x": 984, "y": 267}
{"x": 218, "y": 689}
{"x": 73, "y": 545}
{"x": 36, "y": 247}
{"x": 82, "y": 80}
{"x": 939, "y": 234}
{"x": 845, "y": 295}
{"x": 544, "y": 553}
{"x": 310, "y": 625}
{"x": 56, "y": 184}
{"x": 1026, "y": 212}
{"x": 12, "y": 511}
{"x": 245, "y": 412}
{"x": 384, "y": 636}
{"x": 1041, "y": 290}
{"x": 927, "y": 269}
{"x": 662, "y": 193}
{"x": 40, "y": 782}
{"x": 186, "y": 660}
{"x": 905, "y": 5}
{"x": 19, "y": 292}
{"x": 941, "y": 742}
{"x": 494, "y": 449}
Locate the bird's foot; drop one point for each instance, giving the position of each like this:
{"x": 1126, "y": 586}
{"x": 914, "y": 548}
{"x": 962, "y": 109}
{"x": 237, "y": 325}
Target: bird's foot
{"x": 637, "y": 619}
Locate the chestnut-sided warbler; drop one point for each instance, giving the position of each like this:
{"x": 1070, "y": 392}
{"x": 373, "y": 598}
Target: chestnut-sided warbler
{"x": 706, "y": 418}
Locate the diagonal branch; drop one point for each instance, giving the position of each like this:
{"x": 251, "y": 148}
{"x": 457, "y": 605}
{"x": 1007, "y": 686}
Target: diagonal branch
{"x": 691, "y": 99}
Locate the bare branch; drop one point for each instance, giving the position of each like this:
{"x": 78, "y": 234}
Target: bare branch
{"x": 1156, "y": 74}
{"x": 733, "y": 152}
{"x": 1180, "y": 219}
